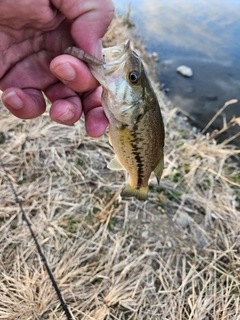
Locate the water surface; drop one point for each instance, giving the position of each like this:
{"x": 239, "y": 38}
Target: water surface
{"x": 201, "y": 34}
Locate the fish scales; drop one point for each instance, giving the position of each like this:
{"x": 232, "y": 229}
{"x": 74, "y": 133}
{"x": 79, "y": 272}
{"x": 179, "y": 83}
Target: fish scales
{"x": 136, "y": 129}
{"x": 136, "y": 146}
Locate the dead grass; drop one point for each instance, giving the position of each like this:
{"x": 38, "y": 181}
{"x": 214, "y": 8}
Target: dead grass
{"x": 175, "y": 257}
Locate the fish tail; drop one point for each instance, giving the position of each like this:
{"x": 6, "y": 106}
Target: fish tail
{"x": 139, "y": 193}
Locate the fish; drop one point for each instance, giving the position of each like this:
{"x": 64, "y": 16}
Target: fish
{"x": 136, "y": 129}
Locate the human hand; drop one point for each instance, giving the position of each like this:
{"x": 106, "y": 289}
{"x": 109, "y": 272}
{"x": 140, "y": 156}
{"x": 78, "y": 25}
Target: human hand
{"x": 33, "y": 36}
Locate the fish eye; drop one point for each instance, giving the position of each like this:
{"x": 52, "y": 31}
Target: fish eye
{"x": 133, "y": 76}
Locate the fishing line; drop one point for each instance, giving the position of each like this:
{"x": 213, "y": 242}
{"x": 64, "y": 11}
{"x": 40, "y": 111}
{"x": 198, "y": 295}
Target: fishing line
{"x": 54, "y": 283}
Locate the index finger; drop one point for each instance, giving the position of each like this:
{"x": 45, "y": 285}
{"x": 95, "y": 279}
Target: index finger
{"x": 91, "y": 20}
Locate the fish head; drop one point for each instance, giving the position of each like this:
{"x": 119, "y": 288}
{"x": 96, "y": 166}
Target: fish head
{"x": 122, "y": 78}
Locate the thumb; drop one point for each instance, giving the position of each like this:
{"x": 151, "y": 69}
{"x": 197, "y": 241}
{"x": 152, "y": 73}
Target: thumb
{"x": 90, "y": 21}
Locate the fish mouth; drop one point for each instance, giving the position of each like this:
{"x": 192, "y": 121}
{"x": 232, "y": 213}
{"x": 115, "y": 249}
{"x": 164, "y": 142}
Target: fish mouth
{"x": 114, "y": 56}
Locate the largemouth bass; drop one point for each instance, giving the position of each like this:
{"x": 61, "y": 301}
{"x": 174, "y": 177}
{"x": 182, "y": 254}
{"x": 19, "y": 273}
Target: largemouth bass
{"x": 136, "y": 129}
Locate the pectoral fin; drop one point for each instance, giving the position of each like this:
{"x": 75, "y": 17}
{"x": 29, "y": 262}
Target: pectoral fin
{"x": 159, "y": 169}
{"x": 140, "y": 194}
{"x": 115, "y": 164}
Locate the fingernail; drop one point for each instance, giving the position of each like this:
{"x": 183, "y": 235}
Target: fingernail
{"x": 12, "y": 100}
{"x": 65, "y": 71}
{"x": 67, "y": 115}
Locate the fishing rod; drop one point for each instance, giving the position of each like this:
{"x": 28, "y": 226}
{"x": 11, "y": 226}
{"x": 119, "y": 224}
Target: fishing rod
{"x": 40, "y": 252}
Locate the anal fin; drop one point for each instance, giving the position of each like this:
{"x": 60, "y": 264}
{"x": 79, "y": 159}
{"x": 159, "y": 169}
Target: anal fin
{"x": 115, "y": 164}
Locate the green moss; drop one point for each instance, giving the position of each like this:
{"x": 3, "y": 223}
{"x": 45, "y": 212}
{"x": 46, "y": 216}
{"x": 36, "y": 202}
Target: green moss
{"x": 95, "y": 210}
{"x": 80, "y": 162}
{"x": 170, "y": 194}
{"x": 112, "y": 222}
{"x": 179, "y": 145}
{"x": 177, "y": 177}
{"x": 71, "y": 223}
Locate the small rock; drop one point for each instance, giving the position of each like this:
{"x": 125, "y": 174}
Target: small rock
{"x": 162, "y": 86}
{"x": 195, "y": 130}
{"x": 183, "y": 219}
{"x": 214, "y": 216}
{"x": 185, "y": 71}
{"x": 199, "y": 235}
{"x": 145, "y": 234}
{"x": 155, "y": 56}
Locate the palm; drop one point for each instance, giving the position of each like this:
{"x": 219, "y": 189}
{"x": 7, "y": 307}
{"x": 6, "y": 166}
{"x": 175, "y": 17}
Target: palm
{"x": 32, "y": 37}
{"x": 33, "y": 54}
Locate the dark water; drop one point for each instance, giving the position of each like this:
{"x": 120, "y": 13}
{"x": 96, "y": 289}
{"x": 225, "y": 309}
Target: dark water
{"x": 202, "y": 34}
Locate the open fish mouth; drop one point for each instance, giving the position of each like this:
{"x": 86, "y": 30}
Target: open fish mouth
{"x": 116, "y": 55}
{"x": 112, "y": 56}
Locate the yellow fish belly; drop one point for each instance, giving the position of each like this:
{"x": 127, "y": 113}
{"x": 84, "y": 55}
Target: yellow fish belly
{"x": 139, "y": 151}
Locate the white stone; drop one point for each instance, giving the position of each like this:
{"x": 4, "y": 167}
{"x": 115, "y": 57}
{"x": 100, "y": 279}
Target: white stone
{"x": 185, "y": 71}
{"x": 145, "y": 234}
{"x": 155, "y": 56}
{"x": 183, "y": 219}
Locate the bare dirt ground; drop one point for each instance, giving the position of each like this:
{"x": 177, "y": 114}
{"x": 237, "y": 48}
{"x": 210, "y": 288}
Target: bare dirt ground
{"x": 177, "y": 256}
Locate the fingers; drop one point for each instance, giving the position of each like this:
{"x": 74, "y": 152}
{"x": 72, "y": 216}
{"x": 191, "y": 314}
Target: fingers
{"x": 66, "y": 111}
{"x": 73, "y": 72}
{"x": 67, "y": 108}
{"x": 66, "y": 104}
{"x": 24, "y": 104}
{"x": 30, "y": 103}
{"x": 76, "y": 75}
{"x": 91, "y": 20}
{"x": 95, "y": 120}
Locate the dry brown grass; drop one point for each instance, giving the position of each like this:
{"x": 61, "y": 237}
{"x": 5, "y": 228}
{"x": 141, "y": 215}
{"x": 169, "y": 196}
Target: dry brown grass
{"x": 175, "y": 257}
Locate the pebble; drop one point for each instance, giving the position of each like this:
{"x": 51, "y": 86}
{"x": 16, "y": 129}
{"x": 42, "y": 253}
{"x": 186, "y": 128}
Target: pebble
{"x": 199, "y": 235}
{"x": 162, "y": 86}
{"x": 155, "y": 56}
{"x": 145, "y": 234}
{"x": 185, "y": 71}
{"x": 195, "y": 130}
{"x": 183, "y": 219}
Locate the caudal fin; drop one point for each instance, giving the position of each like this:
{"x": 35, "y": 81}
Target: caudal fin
{"x": 140, "y": 194}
